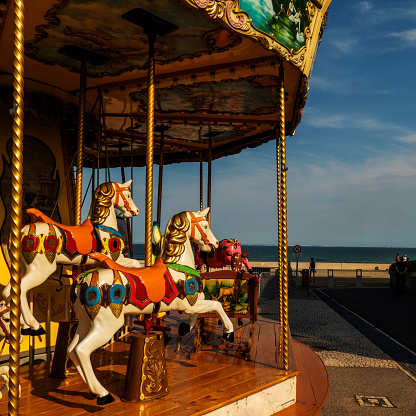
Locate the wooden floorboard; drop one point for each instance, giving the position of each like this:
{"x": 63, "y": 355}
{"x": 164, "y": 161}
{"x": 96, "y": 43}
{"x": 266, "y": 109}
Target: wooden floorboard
{"x": 196, "y": 386}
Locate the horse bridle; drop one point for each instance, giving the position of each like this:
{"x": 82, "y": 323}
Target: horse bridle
{"x": 119, "y": 193}
{"x": 195, "y": 224}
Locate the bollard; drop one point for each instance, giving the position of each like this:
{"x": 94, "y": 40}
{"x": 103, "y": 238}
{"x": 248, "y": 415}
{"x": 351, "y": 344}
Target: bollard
{"x": 330, "y": 278}
{"x": 359, "y": 278}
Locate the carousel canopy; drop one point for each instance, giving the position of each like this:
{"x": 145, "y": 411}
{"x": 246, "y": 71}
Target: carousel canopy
{"x": 217, "y": 68}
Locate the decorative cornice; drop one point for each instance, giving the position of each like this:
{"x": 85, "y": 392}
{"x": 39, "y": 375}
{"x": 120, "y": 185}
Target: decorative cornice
{"x": 229, "y": 12}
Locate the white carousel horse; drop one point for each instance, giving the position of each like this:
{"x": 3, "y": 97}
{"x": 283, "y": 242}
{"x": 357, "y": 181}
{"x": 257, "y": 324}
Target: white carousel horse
{"x": 46, "y": 243}
{"x": 102, "y": 297}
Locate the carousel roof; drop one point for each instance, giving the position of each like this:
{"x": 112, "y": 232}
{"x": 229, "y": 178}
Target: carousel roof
{"x": 217, "y": 74}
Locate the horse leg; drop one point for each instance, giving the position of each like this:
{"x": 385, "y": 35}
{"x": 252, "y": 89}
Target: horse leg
{"x": 33, "y": 277}
{"x": 103, "y": 328}
{"x": 84, "y": 326}
{"x": 204, "y": 306}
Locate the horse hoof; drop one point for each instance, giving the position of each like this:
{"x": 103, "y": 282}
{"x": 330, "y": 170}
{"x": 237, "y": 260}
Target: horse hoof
{"x": 26, "y": 331}
{"x": 228, "y": 336}
{"x": 183, "y": 329}
{"x": 101, "y": 401}
{"x": 39, "y": 331}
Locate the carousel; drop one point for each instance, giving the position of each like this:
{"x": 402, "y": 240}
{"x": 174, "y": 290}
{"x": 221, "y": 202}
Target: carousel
{"x": 148, "y": 83}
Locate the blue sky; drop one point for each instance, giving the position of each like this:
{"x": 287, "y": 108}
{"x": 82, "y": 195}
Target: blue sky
{"x": 352, "y": 164}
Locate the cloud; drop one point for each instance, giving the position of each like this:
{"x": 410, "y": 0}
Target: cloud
{"x": 410, "y": 138}
{"x": 345, "y": 45}
{"x": 406, "y": 35}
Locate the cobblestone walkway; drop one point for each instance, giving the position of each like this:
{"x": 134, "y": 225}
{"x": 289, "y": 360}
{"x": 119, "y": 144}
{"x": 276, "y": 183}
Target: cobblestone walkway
{"x": 335, "y": 341}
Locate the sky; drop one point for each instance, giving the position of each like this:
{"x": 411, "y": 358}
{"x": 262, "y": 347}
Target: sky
{"x": 351, "y": 178}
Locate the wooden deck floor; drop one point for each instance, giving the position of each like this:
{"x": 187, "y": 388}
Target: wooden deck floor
{"x": 197, "y": 384}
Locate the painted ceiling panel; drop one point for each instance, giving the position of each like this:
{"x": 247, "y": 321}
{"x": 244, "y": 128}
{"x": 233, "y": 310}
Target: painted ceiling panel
{"x": 98, "y": 26}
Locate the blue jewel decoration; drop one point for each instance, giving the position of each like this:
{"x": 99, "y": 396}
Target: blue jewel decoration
{"x": 97, "y": 299}
{"x": 188, "y": 283}
{"x": 119, "y": 299}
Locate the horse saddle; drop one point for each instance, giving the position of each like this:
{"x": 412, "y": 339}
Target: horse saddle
{"x": 81, "y": 236}
{"x": 156, "y": 279}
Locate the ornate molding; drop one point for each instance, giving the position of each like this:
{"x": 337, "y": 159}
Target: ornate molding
{"x": 229, "y": 12}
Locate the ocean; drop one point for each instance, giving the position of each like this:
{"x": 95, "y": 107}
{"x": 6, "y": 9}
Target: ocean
{"x": 319, "y": 253}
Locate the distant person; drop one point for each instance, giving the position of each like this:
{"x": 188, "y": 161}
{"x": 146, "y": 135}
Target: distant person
{"x": 405, "y": 258}
{"x": 397, "y": 257}
{"x": 312, "y": 270}
{"x": 400, "y": 270}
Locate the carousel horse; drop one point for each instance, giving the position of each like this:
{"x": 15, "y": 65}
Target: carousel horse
{"x": 46, "y": 243}
{"x": 228, "y": 253}
{"x": 102, "y": 297}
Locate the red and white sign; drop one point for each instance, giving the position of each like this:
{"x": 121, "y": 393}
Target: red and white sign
{"x": 297, "y": 249}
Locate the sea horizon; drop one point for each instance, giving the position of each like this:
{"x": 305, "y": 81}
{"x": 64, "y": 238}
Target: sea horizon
{"x": 323, "y": 254}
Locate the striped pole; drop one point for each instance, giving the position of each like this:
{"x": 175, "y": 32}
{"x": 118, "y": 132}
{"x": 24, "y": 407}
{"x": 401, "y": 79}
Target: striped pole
{"x": 16, "y": 224}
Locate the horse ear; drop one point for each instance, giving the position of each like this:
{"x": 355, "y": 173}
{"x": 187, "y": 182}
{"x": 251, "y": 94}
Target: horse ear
{"x": 204, "y": 213}
{"x": 127, "y": 184}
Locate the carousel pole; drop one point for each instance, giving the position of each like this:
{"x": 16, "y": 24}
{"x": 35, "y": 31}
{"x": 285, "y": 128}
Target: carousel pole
{"x": 80, "y": 141}
{"x": 201, "y": 182}
{"x": 83, "y": 56}
{"x": 149, "y": 148}
{"x": 279, "y": 215}
{"x": 138, "y": 368}
{"x": 285, "y": 279}
{"x": 16, "y": 226}
{"x": 209, "y": 176}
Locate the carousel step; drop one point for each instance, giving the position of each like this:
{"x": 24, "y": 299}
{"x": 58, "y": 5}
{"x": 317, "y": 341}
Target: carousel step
{"x": 312, "y": 383}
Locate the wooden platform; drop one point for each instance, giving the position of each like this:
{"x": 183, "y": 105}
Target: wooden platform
{"x": 198, "y": 384}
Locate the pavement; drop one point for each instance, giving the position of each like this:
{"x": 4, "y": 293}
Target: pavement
{"x": 366, "y": 338}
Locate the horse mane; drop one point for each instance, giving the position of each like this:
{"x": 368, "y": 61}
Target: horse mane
{"x": 175, "y": 237}
{"x": 101, "y": 203}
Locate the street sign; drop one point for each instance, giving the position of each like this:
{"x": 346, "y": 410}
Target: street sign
{"x": 297, "y": 255}
{"x": 297, "y": 249}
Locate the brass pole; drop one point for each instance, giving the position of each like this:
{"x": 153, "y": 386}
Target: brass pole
{"x": 130, "y": 220}
{"x": 16, "y": 224}
{"x": 149, "y": 151}
{"x": 159, "y": 189}
{"x": 99, "y": 138}
{"x": 279, "y": 215}
{"x": 201, "y": 182}
{"x": 80, "y": 142}
{"x": 285, "y": 279}
{"x": 209, "y": 177}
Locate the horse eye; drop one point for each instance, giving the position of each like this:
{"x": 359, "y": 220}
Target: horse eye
{"x": 6, "y": 320}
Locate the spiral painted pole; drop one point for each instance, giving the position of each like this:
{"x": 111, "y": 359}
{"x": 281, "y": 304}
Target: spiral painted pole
{"x": 16, "y": 223}
{"x": 285, "y": 279}
{"x": 149, "y": 151}
{"x": 201, "y": 182}
{"x": 279, "y": 216}
{"x": 80, "y": 142}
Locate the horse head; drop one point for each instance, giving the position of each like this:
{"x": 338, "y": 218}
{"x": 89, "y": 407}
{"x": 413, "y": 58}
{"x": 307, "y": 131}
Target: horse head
{"x": 200, "y": 232}
{"x": 123, "y": 200}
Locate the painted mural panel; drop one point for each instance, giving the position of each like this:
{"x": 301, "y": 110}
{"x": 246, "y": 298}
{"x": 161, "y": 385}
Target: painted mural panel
{"x": 286, "y": 20}
{"x": 233, "y": 294}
